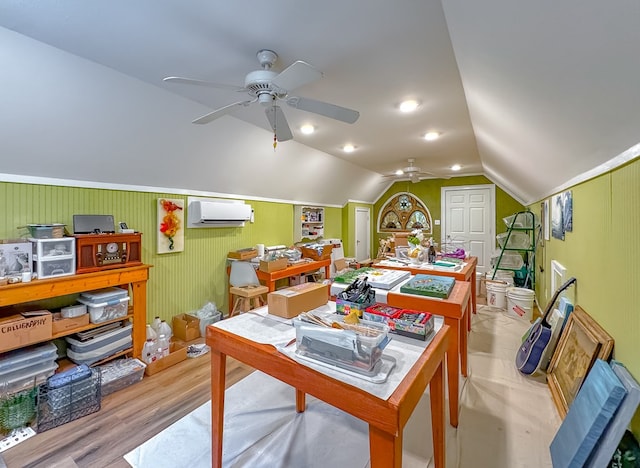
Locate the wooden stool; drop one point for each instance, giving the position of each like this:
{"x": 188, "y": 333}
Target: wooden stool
{"x": 247, "y": 298}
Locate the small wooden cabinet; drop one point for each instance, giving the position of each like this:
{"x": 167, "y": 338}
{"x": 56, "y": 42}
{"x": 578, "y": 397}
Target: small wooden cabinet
{"x": 133, "y": 277}
{"x": 308, "y": 222}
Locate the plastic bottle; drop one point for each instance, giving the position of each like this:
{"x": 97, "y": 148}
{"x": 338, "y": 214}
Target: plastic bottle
{"x": 149, "y": 351}
{"x": 151, "y": 333}
{"x": 165, "y": 329}
{"x": 156, "y": 324}
{"x": 163, "y": 346}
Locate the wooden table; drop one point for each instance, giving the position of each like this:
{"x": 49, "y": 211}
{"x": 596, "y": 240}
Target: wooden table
{"x": 467, "y": 273}
{"x": 455, "y": 310}
{"x": 269, "y": 279}
{"x": 386, "y": 418}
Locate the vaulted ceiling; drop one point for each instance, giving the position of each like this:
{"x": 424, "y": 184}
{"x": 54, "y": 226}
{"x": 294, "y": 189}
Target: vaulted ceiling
{"x": 531, "y": 94}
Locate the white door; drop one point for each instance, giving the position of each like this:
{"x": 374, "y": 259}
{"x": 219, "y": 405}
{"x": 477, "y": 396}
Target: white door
{"x": 363, "y": 234}
{"x": 468, "y": 221}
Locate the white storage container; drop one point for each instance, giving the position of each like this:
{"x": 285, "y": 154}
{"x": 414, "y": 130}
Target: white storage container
{"x": 106, "y": 311}
{"x": 521, "y": 220}
{"x": 54, "y": 257}
{"x": 24, "y": 368}
{"x": 73, "y": 311}
{"x": 517, "y": 240}
{"x": 52, "y": 248}
{"x": 510, "y": 260}
{"x": 106, "y": 304}
{"x": 99, "y": 347}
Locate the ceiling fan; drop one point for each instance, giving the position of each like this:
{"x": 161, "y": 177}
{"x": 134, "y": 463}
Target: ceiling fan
{"x": 413, "y": 173}
{"x": 268, "y": 87}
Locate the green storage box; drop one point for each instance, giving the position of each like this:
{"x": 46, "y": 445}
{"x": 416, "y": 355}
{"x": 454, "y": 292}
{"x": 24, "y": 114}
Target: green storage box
{"x": 429, "y": 285}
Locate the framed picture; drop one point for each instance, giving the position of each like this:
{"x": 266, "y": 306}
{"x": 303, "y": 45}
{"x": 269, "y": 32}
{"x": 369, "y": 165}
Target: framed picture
{"x": 567, "y": 211}
{"x": 582, "y": 341}
{"x": 557, "y": 224}
{"x": 544, "y": 219}
{"x": 170, "y": 225}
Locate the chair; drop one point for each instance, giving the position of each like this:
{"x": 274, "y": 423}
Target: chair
{"x": 245, "y": 288}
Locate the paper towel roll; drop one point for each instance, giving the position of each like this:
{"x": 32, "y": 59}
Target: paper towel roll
{"x": 260, "y": 248}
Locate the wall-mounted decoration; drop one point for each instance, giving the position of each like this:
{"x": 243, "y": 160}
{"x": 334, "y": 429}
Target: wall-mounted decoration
{"x": 557, "y": 225}
{"x": 581, "y": 343}
{"x": 546, "y": 224}
{"x": 170, "y": 225}
{"x": 567, "y": 211}
{"x": 404, "y": 212}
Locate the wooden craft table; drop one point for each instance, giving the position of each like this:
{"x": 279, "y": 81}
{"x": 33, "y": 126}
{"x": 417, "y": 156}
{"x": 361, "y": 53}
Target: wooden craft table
{"x": 386, "y": 418}
{"x": 269, "y": 279}
{"x": 455, "y": 310}
{"x": 467, "y": 273}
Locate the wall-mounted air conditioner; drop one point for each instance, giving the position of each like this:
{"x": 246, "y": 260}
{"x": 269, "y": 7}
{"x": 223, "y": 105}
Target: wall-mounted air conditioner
{"x": 217, "y": 213}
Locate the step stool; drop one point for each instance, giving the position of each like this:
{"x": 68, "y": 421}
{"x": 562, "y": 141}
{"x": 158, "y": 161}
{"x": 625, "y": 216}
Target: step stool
{"x": 247, "y": 298}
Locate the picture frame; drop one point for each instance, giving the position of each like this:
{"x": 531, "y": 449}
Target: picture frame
{"x": 170, "y": 227}
{"x": 582, "y": 341}
{"x": 546, "y": 223}
{"x": 557, "y": 223}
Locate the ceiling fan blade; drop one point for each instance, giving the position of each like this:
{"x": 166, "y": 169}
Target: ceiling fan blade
{"x": 295, "y": 75}
{"x": 324, "y": 108}
{"x": 211, "y": 116}
{"x": 208, "y": 84}
{"x": 278, "y": 123}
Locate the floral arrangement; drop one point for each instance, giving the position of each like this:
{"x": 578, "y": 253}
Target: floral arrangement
{"x": 416, "y": 237}
{"x": 170, "y": 222}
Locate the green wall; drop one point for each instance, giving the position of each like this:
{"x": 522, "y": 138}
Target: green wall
{"x": 179, "y": 282}
{"x": 349, "y": 229}
{"x": 429, "y": 191}
{"x": 603, "y": 253}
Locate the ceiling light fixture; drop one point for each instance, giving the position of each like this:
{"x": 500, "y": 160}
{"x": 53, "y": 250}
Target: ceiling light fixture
{"x": 409, "y": 105}
{"x": 430, "y": 136}
{"x": 456, "y": 167}
{"x": 307, "y": 129}
{"x": 399, "y": 172}
{"x": 348, "y": 148}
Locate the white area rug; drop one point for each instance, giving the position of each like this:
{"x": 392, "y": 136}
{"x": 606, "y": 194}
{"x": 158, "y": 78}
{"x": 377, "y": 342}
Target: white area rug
{"x": 506, "y": 420}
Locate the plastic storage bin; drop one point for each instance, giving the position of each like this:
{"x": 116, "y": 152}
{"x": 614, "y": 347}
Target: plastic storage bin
{"x": 103, "y": 344}
{"x": 521, "y": 220}
{"x": 46, "y": 231}
{"x": 105, "y": 304}
{"x": 27, "y": 367}
{"x": 121, "y": 373}
{"x": 358, "y": 348}
{"x": 17, "y": 410}
{"x": 517, "y": 240}
{"x": 512, "y": 261}
{"x": 54, "y": 267}
{"x": 53, "y": 248}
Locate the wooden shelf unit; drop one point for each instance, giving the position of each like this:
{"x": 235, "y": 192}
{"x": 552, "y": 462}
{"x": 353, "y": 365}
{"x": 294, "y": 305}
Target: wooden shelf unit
{"x": 134, "y": 277}
{"x": 308, "y": 222}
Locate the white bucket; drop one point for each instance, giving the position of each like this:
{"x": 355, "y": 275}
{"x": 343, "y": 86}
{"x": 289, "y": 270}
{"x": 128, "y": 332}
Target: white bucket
{"x": 496, "y": 294}
{"x": 523, "y": 298}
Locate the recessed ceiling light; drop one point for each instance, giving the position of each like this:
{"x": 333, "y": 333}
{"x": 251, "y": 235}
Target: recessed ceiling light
{"x": 307, "y": 129}
{"x": 430, "y": 136}
{"x": 409, "y": 105}
{"x": 348, "y": 148}
{"x": 456, "y": 167}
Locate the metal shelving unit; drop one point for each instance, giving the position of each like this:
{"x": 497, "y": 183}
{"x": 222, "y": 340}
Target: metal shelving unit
{"x": 521, "y": 238}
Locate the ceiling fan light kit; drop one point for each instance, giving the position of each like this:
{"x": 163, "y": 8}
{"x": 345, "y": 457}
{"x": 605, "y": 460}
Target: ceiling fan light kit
{"x": 268, "y": 87}
{"x": 413, "y": 173}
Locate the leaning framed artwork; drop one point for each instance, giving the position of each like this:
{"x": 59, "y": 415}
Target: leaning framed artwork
{"x": 581, "y": 343}
{"x": 170, "y": 225}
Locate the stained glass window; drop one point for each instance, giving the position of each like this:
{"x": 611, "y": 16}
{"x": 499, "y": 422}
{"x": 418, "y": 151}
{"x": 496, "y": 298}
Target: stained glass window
{"x": 404, "y": 212}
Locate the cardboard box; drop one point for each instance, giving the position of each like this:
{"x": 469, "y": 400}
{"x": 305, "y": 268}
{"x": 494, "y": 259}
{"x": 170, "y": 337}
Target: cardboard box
{"x": 23, "y": 329}
{"x": 17, "y": 254}
{"x": 60, "y": 324}
{"x": 313, "y": 254}
{"x": 289, "y": 302}
{"x": 273, "y": 265}
{"x": 186, "y": 327}
{"x": 177, "y": 353}
{"x": 243, "y": 254}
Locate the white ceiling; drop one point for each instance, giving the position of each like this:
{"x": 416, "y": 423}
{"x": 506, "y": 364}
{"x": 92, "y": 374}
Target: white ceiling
{"x": 530, "y": 94}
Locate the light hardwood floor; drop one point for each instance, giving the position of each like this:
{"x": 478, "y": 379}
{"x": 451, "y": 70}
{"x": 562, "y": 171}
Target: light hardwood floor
{"x": 127, "y": 419}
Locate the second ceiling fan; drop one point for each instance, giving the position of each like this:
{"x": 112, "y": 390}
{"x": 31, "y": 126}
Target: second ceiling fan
{"x": 268, "y": 88}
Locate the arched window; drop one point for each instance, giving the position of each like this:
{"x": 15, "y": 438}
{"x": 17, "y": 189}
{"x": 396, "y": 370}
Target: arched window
{"x": 404, "y": 212}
